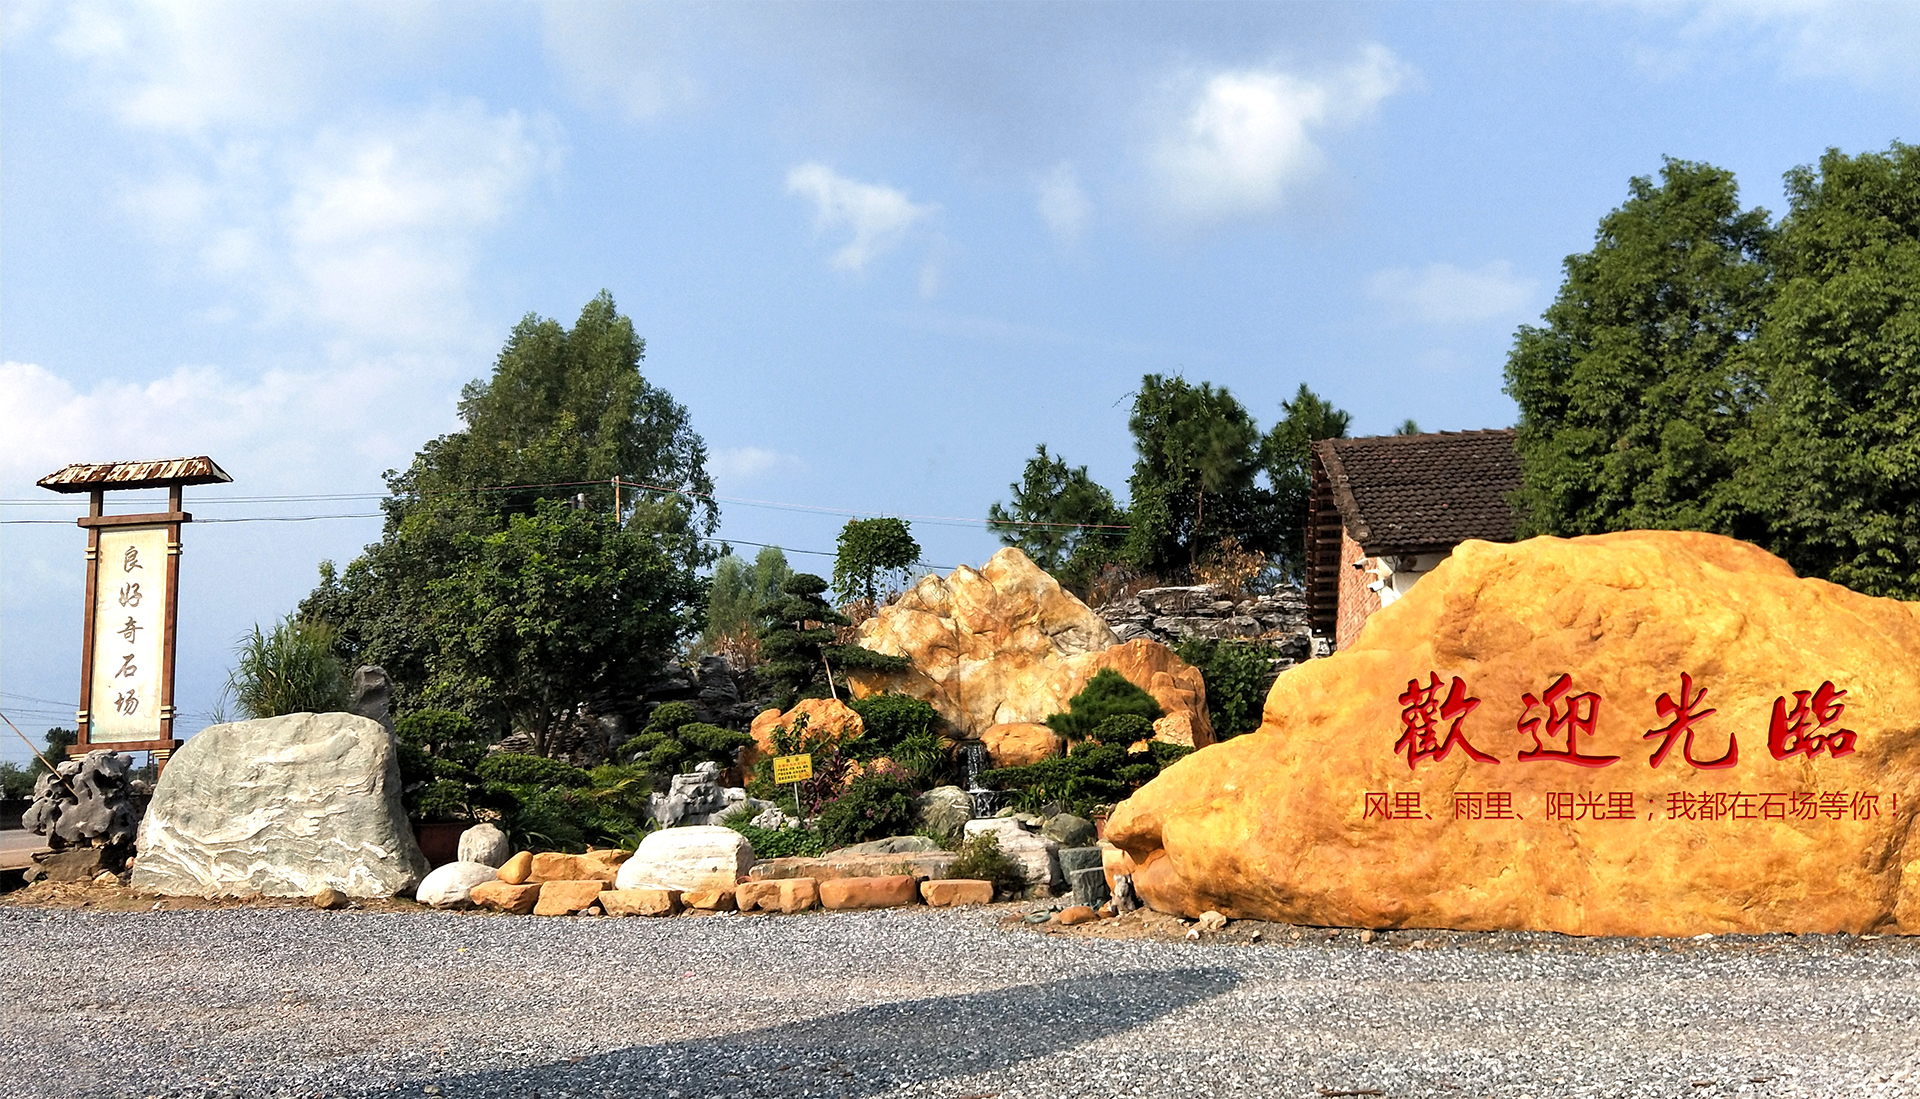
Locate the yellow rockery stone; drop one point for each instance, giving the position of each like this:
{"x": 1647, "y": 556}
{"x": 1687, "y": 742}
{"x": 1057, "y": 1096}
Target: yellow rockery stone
{"x": 1643, "y": 733}
{"x": 1007, "y": 645}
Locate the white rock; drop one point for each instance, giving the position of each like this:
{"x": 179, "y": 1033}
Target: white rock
{"x": 281, "y": 807}
{"x": 1037, "y": 856}
{"x": 697, "y": 856}
{"x": 451, "y": 886}
{"x": 484, "y": 844}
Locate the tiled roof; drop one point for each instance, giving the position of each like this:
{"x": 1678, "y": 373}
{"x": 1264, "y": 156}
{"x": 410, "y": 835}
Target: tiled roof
{"x": 88, "y": 476}
{"x": 1423, "y": 493}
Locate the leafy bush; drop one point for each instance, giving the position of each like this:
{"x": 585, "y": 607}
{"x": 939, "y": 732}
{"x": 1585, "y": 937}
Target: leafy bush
{"x": 289, "y": 671}
{"x": 1107, "y": 694}
{"x": 781, "y": 843}
{"x": 673, "y": 742}
{"x": 1091, "y": 776}
{"x": 16, "y": 782}
{"x": 439, "y": 750}
{"x": 1123, "y": 730}
{"x": 982, "y": 860}
{"x": 831, "y": 765}
{"x": 1237, "y": 675}
{"x": 876, "y": 804}
{"x": 907, "y": 731}
{"x": 515, "y": 769}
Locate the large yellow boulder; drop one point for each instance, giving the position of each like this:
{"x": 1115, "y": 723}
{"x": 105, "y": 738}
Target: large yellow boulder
{"x": 1645, "y": 733}
{"x": 823, "y": 715}
{"x": 1007, "y": 645}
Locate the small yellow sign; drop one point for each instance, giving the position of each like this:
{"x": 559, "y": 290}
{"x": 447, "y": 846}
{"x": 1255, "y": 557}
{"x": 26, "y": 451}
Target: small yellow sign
{"x": 792, "y": 768}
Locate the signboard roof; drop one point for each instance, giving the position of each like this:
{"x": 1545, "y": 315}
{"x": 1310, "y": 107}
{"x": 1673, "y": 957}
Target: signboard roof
{"x": 91, "y": 476}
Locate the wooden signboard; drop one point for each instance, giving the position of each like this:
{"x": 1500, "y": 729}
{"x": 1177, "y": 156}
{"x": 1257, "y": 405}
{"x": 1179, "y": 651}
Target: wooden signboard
{"x": 132, "y": 603}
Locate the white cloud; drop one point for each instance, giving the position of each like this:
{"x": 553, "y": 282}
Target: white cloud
{"x": 730, "y": 465}
{"x": 1865, "y": 44}
{"x": 878, "y": 216}
{"x": 626, "y": 54}
{"x": 1062, "y": 203}
{"x": 189, "y": 67}
{"x": 1246, "y": 136}
{"x": 368, "y": 231}
{"x": 1441, "y": 293}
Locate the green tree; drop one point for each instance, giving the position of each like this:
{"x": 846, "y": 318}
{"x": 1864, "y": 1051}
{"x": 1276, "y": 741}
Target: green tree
{"x": 291, "y": 670}
{"x": 1834, "y": 468}
{"x": 1197, "y": 449}
{"x": 798, "y": 637}
{"x": 559, "y": 607}
{"x": 1287, "y": 454}
{"x": 1060, "y": 518}
{"x": 872, "y": 554}
{"x": 1238, "y": 675}
{"x": 1635, "y": 391}
{"x": 673, "y": 741}
{"x": 1106, "y": 696}
{"x": 56, "y": 740}
{"x": 565, "y": 411}
{"x": 1408, "y": 426}
{"x": 737, "y": 591}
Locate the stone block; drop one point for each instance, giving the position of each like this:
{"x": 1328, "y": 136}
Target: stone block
{"x": 709, "y": 900}
{"x": 888, "y": 892}
{"x": 1068, "y": 831}
{"x": 451, "y": 885}
{"x": 564, "y": 898}
{"x": 501, "y": 896}
{"x": 1076, "y": 915}
{"x": 281, "y": 807}
{"x": 1079, "y": 858}
{"x": 516, "y": 870}
{"x": 485, "y": 844}
{"x": 693, "y": 857}
{"x": 641, "y": 902}
{"x": 784, "y": 895}
{"x": 952, "y": 892}
{"x": 837, "y": 864}
{"x": 555, "y": 866}
{"x": 1090, "y": 887}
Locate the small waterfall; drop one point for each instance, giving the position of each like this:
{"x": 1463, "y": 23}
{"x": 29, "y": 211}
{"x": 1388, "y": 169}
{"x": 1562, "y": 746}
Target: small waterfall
{"x": 985, "y": 801}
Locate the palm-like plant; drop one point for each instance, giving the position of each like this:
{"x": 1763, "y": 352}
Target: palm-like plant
{"x": 291, "y": 670}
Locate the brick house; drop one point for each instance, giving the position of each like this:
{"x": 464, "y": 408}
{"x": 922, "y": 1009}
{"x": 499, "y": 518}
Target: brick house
{"x": 1386, "y": 509}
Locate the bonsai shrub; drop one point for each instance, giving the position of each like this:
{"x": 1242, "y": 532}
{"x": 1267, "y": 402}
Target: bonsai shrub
{"x": 982, "y": 860}
{"x": 1107, "y": 694}
{"x": 907, "y": 731}
{"x": 1237, "y": 675}
{"x": 1095, "y": 773}
{"x": 876, "y": 804}
{"x": 439, "y": 750}
{"x": 673, "y": 742}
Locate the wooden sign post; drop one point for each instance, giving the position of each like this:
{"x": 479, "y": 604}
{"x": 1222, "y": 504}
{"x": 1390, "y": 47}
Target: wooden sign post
{"x": 132, "y": 603}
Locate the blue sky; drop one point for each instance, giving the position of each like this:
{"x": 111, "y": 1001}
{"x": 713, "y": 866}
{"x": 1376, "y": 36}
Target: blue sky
{"x": 879, "y": 252}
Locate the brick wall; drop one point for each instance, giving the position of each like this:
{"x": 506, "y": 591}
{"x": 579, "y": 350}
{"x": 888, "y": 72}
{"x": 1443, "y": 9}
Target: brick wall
{"x": 1357, "y": 603}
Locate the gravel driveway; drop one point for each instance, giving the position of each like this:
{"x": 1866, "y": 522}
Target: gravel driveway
{"x": 920, "y": 1002}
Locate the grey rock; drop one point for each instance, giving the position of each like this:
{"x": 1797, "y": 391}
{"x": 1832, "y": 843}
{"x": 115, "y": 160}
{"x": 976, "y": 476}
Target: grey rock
{"x": 283, "y": 807}
{"x": 89, "y": 802}
{"x": 74, "y": 864}
{"x": 1080, "y": 858}
{"x": 1070, "y": 831}
{"x": 772, "y": 817}
{"x": 484, "y": 844}
{"x": 1035, "y": 854}
{"x": 1089, "y": 887}
{"x": 451, "y": 885}
{"x": 371, "y": 695}
{"x": 695, "y": 798}
{"x": 892, "y": 845}
{"x": 943, "y": 810}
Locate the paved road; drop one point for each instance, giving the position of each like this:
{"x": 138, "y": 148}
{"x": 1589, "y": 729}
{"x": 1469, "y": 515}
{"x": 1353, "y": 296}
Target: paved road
{"x": 917, "y": 1002}
{"x": 16, "y": 845}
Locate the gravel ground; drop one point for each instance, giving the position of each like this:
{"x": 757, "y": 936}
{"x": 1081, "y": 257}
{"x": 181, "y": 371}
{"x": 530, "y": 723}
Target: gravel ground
{"x": 957, "y": 1004}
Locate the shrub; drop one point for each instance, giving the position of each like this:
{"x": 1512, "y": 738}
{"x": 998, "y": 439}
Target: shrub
{"x": 876, "y": 804}
{"x": 1123, "y": 730}
{"x": 438, "y": 753}
{"x": 289, "y": 671}
{"x": 781, "y": 843}
{"x": 1107, "y": 694}
{"x": 673, "y": 742}
{"x": 891, "y": 719}
{"x": 514, "y": 769}
{"x": 831, "y": 765}
{"x": 1089, "y": 778}
{"x": 1237, "y": 674}
{"x": 982, "y": 860}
